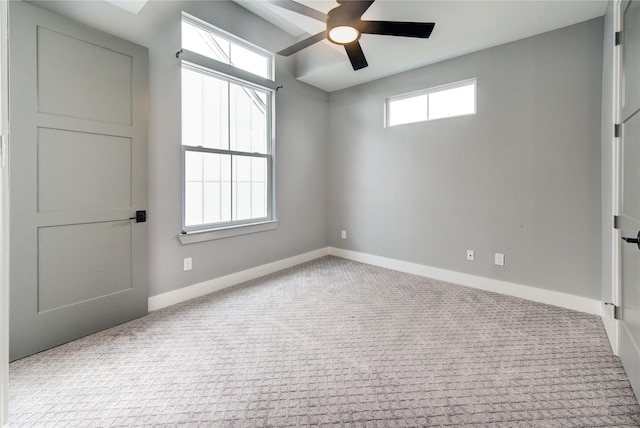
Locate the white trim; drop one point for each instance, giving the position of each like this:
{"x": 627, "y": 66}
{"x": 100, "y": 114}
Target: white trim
{"x": 226, "y": 232}
{"x": 555, "y": 298}
{"x": 612, "y": 326}
{"x": 196, "y": 290}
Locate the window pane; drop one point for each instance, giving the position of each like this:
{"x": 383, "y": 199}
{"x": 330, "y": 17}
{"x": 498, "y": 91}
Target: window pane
{"x": 218, "y": 47}
{"x": 205, "y": 43}
{"x": 193, "y": 166}
{"x": 258, "y": 170}
{"x": 248, "y": 120}
{"x": 407, "y": 110}
{"x": 250, "y": 61}
{"x": 249, "y": 187}
{"x": 242, "y": 200}
{"x": 193, "y": 203}
{"x": 452, "y": 102}
{"x": 215, "y": 113}
{"x": 204, "y": 110}
{"x": 258, "y": 200}
{"x": 258, "y": 125}
{"x": 240, "y": 123}
{"x": 207, "y": 188}
{"x": 191, "y": 108}
{"x": 259, "y": 187}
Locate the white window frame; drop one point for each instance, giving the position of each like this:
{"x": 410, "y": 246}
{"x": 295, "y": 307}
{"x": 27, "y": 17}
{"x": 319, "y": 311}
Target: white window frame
{"x": 428, "y": 91}
{"x": 233, "y": 75}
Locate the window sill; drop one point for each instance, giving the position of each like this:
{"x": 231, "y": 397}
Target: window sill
{"x": 227, "y": 232}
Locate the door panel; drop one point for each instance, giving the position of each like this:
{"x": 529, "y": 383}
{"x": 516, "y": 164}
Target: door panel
{"x": 62, "y": 281}
{"x": 97, "y": 84}
{"x": 629, "y": 218}
{"x": 78, "y": 263}
{"x": 99, "y": 177}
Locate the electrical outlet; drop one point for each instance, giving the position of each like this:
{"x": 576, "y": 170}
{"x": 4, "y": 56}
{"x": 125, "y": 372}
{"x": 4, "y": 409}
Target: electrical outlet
{"x": 499, "y": 259}
{"x": 343, "y": 235}
{"x": 471, "y": 255}
{"x": 187, "y": 264}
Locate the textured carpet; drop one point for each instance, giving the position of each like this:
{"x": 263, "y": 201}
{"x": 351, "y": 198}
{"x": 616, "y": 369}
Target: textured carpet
{"x": 335, "y": 343}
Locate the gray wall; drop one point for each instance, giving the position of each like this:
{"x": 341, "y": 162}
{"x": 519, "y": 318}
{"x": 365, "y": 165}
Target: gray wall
{"x": 301, "y": 143}
{"x": 301, "y": 153}
{"x": 522, "y": 177}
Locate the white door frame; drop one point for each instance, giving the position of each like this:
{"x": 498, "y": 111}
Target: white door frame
{"x": 613, "y": 296}
{"x": 4, "y": 221}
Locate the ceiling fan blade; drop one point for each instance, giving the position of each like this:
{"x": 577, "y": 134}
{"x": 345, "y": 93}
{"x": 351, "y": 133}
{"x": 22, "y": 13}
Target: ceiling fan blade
{"x": 296, "y": 47}
{"x": 300, "y": 8}
{"x": 354, "y": 9}
{"x": 390, "y": 28}
{"x": 356, "y": 55}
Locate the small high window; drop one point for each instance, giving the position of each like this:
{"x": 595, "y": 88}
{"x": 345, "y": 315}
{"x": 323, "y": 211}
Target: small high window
{"x": 455, "y": 99}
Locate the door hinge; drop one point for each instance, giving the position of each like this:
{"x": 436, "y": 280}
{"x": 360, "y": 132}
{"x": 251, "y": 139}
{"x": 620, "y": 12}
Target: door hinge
{"x": 618, "y": 38}
{"x": 616, "y": 130}
{"x": 615, "y": 310}
{"x": 615, "y": 222}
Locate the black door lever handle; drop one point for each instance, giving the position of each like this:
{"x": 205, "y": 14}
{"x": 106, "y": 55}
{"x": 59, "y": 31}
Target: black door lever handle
{"x": 635, "y": 240}
{"x": 141, "y": 217}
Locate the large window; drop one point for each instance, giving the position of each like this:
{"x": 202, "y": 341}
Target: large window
{"x": 226, "y": 131}
{"x": 455, "y": 99}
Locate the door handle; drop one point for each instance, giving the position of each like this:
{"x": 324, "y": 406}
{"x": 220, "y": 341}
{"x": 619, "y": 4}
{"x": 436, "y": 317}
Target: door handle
{"x": 141, "y": 217}
{"x": 635, "y": 240}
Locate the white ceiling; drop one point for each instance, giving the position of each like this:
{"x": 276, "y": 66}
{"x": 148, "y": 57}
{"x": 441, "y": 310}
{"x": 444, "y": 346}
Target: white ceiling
{"x": 461, "y": 27}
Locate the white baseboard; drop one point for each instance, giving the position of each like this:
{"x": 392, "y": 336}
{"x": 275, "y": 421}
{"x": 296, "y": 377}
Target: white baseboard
{"x": 535, "y": 294}
{"x": 196, "y": 290}
{"x": 555, "y": 298}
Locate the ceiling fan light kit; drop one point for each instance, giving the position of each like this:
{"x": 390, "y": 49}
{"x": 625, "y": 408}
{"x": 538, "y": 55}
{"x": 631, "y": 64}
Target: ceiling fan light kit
{"x": 343, "y": 34}
{"x": 345, "y": 26}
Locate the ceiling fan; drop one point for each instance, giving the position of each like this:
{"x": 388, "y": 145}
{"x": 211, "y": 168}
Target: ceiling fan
{"x": 344, "y": 27}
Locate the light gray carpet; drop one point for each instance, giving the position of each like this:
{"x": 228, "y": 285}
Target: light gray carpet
{"x": 334, "y": 343}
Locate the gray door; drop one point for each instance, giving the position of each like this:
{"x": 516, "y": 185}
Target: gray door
{"x": 77, "y": 117}
{"x": 629, "y": 220}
